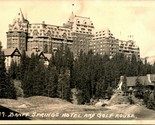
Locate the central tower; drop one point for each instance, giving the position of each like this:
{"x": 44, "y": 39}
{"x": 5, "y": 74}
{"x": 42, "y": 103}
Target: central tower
{"x": 82, "y": 28}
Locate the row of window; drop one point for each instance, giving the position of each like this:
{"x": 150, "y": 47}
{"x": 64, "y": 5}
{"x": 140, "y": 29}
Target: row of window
{"x": 36, "y": 32}
{"x": 84, "y": 29}
{"x": 83, "y": 32}
{"x": 102, "y": 31}
{"x": 90, "y": 26}
{"x": 103, "y": 37}
{"x": 52, "y": 28}
{"x": 84, "y": 22}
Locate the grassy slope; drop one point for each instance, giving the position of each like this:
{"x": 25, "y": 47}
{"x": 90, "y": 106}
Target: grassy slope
{"x": 58, "y": 107}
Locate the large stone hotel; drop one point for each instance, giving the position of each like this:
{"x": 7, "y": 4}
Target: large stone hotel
{"x": 78, "y": 33}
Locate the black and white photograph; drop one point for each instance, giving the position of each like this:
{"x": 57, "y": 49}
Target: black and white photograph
{"x": 77, "y": 61}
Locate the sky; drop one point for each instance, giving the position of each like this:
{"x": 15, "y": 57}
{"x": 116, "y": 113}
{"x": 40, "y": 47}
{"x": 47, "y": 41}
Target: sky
{"x": 122, "y": 17}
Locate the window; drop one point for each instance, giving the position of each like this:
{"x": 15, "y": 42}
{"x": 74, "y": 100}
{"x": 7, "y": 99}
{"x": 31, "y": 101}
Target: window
{"x": 35, "y": 32}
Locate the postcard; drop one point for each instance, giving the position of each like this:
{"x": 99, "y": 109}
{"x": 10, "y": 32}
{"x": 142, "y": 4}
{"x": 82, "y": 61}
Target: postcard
{"x": 77, "y": 62}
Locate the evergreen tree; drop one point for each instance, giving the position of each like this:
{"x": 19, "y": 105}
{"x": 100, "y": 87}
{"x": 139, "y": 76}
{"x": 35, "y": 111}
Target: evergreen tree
{"x": 24, "y": 64}
{"x": 139, "y": 88}
{"x": 13, "y": 70}
{"x": 124, "y": 86}
{"x": 51, "y": 81}
{"x": 7, "y": 89}
{"x": 133, "y": 66}
{"x": 64, "y": 89}
{"x": 31, "y": 76}
{"x": 39, "y": 79}
{"x": 100, "y": 89}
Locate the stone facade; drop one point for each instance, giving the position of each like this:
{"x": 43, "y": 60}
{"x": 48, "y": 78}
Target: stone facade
{"x": 77, "y": 33}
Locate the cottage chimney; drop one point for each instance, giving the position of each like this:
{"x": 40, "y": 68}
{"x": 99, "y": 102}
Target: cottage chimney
{"x": 149, "y": 77}
{"x": 121, "y": 78}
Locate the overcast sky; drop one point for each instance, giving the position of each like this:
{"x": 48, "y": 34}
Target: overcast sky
{"x": 122, "y": 17}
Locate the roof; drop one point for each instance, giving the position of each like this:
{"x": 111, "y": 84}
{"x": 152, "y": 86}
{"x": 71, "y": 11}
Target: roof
{"x": 29, "y": 53}
{"x": 71, "y": 18}
{"x": 11, "y": 51}
{"x": 151, "y": 59}
{"x": 20, "y": 17}
{"x": 44, "y": 55}
{"x": 144, "y": 80}
{"x": 48, "y": 55}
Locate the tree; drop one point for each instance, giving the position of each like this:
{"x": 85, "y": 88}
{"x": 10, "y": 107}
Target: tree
{"x": 13, "y": 70}
{"x": 31, "y": 76}
{"x": 24, "y": 64}
{"x": 64, "y": 89}
{"x": 100, "y": 89}
{"x": 7, "y": 89}
{"x": 139, "y": 88}
{"x": 124, "y": 86}
{"x": 51, "y": 81}
{"x": 133, "y": 66}
{"x": 39, "y": 79}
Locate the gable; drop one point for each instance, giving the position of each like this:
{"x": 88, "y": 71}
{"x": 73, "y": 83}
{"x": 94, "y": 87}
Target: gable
{"x": 11, "y": 52}
{"x": 42, "y": 56}
{"x": 16, "y": 53}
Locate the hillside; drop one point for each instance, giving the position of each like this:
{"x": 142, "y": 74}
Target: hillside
{"x": 40, "y": 107}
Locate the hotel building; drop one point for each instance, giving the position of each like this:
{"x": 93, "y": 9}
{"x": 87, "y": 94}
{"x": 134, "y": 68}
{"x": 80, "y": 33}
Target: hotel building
{"x": 82, "y": 28}
{"x": 77, "y": 33}
{"x": 129, "y": 47}
{"x": 104, "y": 42}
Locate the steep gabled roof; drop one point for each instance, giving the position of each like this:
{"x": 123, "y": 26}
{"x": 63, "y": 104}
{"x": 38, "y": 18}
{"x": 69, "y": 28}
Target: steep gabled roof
{"x": 20, "y": 16}
{"x": 11, "y": 52}
{"x": 42, "y": 55}
{"x": 29, "y": 53}
{"x": 144, "y": 80}
{"x": 48, "y": 56}
{"x": 71, "y": 18}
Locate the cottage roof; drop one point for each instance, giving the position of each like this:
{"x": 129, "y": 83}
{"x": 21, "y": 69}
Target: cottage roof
{"x": 40, "y": 54}
{"x": 144, "y": 80}
{"x": 11, "y": 52}
{"x": 29, "y": 53}
{"x": 48, "y": 55}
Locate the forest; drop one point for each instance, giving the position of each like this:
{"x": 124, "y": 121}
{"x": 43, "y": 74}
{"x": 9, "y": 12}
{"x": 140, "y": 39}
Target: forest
{"x": 93, "y": 75}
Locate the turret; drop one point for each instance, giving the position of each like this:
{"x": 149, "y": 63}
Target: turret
{"x": 18, "y": 32}
{"x": 19, "y": 23}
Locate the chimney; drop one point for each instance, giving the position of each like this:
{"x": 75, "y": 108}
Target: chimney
{"x": 149, "y": 77}
{"x": 121, "y": 78}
